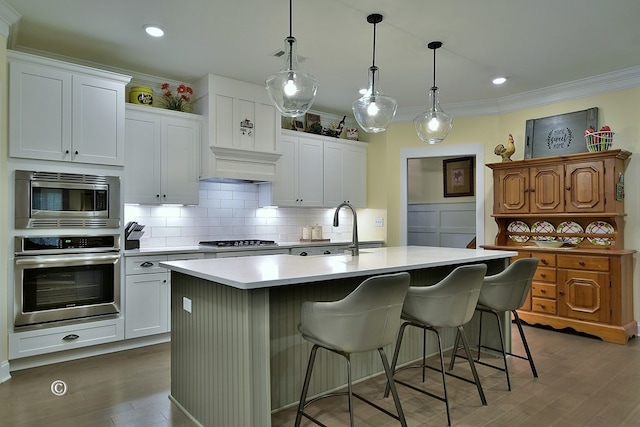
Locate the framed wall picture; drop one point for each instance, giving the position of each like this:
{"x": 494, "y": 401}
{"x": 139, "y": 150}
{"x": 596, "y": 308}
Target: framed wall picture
{"x": 310, "y": 119}
{"x": 458, "y": 177}
{"x": 559, "y": 135}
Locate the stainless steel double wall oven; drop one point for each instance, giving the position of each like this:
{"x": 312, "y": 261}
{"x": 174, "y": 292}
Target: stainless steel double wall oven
{"x": 72, "y": 273}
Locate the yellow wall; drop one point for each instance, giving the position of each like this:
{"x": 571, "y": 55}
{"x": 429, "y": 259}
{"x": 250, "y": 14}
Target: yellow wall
{"x": 620, "y": 110}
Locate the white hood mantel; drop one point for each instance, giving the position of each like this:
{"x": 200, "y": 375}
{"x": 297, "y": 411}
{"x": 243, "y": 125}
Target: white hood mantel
{"x": 238, "y": 163}
{"x": 241, "y": 129}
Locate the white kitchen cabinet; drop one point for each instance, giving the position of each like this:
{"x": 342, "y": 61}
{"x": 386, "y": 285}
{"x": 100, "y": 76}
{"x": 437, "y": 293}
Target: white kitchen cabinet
{"x": 161, "y": 163}
{"x": 345, "y": 173}
{"x": 241, "y": 129}
{"x": 299, "y": 173}
{"x": 147, "y": 290}
{"x": 65, "y": 112}
{"x": 49, "y": 340}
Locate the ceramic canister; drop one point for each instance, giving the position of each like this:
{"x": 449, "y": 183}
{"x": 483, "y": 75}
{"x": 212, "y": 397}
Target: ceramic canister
{"x": 142, "y": 95}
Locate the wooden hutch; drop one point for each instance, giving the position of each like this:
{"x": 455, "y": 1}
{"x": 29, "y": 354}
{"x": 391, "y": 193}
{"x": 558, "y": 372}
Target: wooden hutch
{"x": 587, "y": 283}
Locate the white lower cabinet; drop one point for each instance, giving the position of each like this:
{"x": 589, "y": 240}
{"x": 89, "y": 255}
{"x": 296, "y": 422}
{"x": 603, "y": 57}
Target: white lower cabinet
{"x": 147, "y": 294}
{"x": 49, "y": 340}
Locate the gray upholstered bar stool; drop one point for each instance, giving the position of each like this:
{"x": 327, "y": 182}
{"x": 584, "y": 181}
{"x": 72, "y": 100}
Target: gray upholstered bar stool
{"x": 367, "y": 319}
{"x": 500, "y": 293}
{"x": 449, "y": 303}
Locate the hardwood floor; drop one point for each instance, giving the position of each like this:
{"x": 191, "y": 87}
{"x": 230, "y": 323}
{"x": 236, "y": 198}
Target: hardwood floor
{"x": 582, "y": 382}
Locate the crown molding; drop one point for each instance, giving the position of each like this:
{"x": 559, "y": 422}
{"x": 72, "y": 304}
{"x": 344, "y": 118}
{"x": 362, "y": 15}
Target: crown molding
{"x": 8, "y": 18}
{"x": 590, "y": 86}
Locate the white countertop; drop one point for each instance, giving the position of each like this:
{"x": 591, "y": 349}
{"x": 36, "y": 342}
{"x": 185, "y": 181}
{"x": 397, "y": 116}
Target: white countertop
{"x": 279, "y": 270}
{"x": 279, "y": 245}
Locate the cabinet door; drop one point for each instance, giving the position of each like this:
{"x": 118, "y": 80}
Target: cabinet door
{"x": 511, "y": 188}
{"x": 146, "y": 304}
{"x": 98, "y": 121}
{"x": 584, "y": 186}
{"x": 310, "y": 170}
{"x": 142, "y": 166}
{"x": 546, "y": 192}
{"x": 39, "y": 112}
{"x": 345, "y": 174}
{"x": 180, "y": 145}
{"x": 583, "y": 295}
{"x": 285, "y": 186}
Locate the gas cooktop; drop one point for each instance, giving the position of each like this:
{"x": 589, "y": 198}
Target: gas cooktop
{"x": 232, "y": 243}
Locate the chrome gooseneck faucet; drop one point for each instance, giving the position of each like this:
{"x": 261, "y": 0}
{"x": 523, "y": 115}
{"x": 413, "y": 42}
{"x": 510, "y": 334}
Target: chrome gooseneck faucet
{"x": 354, "y": 247}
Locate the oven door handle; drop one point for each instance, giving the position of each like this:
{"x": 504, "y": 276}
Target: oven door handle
{"x": 67, "y": 259}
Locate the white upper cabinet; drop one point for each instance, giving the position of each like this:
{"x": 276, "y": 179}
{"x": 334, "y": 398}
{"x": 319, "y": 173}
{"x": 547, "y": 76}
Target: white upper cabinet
{"x": 299, "y": 178}
{"x": 65, "y": 112}
{"x": 345, "y": 173}
{"x": 241, "y": 129}
{"x": 319, "y": 171}
{"x": 162, "y": 156}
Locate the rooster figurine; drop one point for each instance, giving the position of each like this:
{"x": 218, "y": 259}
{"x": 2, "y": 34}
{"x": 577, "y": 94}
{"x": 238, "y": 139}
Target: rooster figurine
{"x": 505, "y": 152}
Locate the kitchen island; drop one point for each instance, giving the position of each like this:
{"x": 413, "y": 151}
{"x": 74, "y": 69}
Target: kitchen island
{"x": 236, "y": 354}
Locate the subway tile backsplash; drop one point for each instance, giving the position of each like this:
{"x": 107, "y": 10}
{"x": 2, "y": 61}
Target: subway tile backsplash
{"x": 229, "y": 211}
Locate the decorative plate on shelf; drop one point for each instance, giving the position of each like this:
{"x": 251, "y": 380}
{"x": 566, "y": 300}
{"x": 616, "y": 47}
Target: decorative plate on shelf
{"x": 600, "y": 227}
{"x": 570, "y": 227}
{"x": 543, "y": 227}
{"x": 518, "y": 227}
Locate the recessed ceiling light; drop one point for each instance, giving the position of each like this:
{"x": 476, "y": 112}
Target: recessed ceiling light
{"x": 499, "y": 80}
{"x": 154, "y": 30}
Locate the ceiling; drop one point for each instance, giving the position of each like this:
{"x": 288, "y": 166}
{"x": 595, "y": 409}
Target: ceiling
{"x": 536, "y": 44}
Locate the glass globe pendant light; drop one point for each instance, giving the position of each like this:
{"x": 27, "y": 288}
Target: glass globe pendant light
{"x": 374, "y": 111}
{"x": 433, "y": 125}
{"x": 291, "y": 90}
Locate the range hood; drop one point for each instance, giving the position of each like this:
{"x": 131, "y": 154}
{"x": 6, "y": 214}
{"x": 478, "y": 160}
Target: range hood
{"x": 241, "y": 130}
{"x": 226, "y": 163}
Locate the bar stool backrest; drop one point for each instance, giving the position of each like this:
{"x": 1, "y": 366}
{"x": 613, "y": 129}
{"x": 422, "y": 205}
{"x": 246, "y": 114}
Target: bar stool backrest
{"x": 508, "y": 289}
{"x": 366, "y": 319}
{"x": 450, "y": 302}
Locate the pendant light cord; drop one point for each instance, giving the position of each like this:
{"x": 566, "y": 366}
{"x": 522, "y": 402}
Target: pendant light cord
{"x": 374, "y": 45}
{"x": 290, "y": 34}
{"x": 434, "y": 70}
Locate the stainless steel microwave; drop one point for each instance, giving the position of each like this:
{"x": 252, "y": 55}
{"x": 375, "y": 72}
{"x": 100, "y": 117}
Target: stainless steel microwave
{"x": 65, "y": 200}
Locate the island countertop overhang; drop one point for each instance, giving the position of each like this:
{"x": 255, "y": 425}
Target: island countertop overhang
{"x": 268, "y": 271}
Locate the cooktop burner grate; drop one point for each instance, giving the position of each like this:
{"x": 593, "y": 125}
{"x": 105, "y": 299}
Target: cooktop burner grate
{"x": 231, "y": 243}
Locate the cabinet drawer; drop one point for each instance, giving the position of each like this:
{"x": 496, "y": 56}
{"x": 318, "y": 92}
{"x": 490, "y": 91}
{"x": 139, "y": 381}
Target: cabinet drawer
{"x": 545, "y": 260}
{"x": 31, "y": 343}
{"x": 545, "y": 274}
{"x": 145, "y": 264}
{"x": 597, "y": 263}
{"x": 544, "y": 290}
{"x": 542, "y": 305}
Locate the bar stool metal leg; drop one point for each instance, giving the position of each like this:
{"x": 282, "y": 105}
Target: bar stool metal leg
{"x": 525, "y": 344}
{"x": 305, "y": 387}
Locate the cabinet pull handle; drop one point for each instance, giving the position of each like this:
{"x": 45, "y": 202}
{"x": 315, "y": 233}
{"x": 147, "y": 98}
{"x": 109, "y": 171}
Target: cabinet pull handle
{"x": 76, "y": 153}
{"x": 146, "y": 264}
{"x": 66, "y": 152}
{"x": 303, "y": 254}
{"x": 71, "y": 337}
{"x": 543, "y": 275}
{"x": 560, "y": 292}
{"x": 327, "y": 252}
{"x": 542, "y": 291}
{"x": 545, "y": 262}
{"x": 533, "y": 190}
{"x": 582, "y": 263}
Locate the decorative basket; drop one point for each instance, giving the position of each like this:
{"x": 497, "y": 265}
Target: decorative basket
{"x": 599, "y": 141}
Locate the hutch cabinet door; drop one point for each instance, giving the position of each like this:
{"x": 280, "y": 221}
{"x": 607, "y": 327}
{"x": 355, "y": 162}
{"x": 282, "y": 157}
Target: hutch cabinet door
{"x": 546, "y": 189}
{"x": 511, "y": 188}
{"x": 584, "y": 184}
{"x": 583, "y": 295}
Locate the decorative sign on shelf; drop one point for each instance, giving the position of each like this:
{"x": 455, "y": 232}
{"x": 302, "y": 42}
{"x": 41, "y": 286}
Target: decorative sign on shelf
{"x": 246, "y": 127}
{"x": 559, "y": 135}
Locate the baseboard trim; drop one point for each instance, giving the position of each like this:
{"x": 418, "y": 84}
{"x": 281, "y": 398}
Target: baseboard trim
{"x": 4, "y": 371}
{"x": 80, "y": 353}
